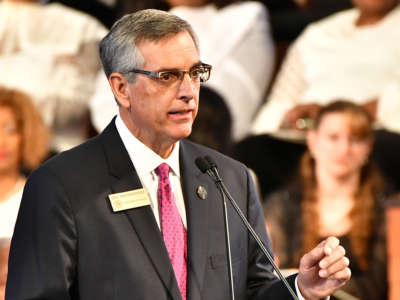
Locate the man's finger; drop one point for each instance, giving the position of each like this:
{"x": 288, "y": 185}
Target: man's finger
{"x": 313, "y": 257}
{"x": 330, "y": 244}
{"x": 335, "y": 255}
{"x": 325, "y": 248}
{"x": 342, "y": 275}
{"x": 334, "y": 268}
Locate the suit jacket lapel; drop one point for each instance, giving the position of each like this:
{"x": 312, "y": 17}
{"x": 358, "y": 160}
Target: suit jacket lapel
{"x": 142, "y": 219}
{"x": 197, "y": 219}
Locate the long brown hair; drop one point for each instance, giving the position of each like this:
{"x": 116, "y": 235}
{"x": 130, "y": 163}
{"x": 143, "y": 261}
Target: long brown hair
{"x": 362, "y": 213}
{"x": 34, "y": 133}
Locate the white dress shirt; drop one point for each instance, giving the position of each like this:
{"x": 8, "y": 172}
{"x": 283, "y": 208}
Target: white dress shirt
{"x": 146, "y": 161}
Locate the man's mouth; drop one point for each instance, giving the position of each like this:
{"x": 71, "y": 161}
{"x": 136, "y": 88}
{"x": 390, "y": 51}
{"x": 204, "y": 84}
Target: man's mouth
{"x": 181, "y": 113}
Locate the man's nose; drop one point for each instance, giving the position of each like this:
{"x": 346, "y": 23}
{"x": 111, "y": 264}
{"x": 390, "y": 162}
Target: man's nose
{"x": 187, "y": 88}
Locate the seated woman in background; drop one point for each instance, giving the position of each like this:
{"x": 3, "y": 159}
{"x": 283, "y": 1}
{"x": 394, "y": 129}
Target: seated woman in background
{"x": 354, "y": 55}
{"x": 23, "y": 145}
{"x": 339, "y": 192}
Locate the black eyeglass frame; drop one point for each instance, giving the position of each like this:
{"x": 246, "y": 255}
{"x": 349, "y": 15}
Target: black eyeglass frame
{"x": 159, "y": 74}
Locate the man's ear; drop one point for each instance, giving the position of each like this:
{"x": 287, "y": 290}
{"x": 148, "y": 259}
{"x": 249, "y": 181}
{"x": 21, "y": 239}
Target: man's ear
{"x": 119, "y": 85}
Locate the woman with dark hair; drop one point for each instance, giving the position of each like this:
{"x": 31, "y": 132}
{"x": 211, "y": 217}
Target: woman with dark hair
{"x": 23, "y": 145}
{"x": 339, "y": 192}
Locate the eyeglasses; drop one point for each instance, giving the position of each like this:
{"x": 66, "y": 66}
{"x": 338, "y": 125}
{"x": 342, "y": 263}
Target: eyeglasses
{"x": 198, "y": 73}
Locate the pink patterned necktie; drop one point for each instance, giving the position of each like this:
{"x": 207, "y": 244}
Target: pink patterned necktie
{"x": 172, "y": 228}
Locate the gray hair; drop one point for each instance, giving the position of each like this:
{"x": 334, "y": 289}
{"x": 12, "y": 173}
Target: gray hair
{"x": 119, "y": 48}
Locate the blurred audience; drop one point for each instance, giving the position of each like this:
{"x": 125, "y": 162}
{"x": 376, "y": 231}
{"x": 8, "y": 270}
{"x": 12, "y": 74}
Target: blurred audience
{"x": 51, "y": 53}
{"x": 290, "y": 17}
{"x": 213, "y": 125}
{"x": 393, "y": 246}
{"x": 338, "y": 192}
{"x": 23, "y": 146}
{"x": 350, "y": 55}
{"x": 109, "y": 11}
{"x": 273, "y": 159}
{"x": 236, "y": 40}
{"x": 130, "y": 6}
{"x": 4, "y": 251}
{"x": 241, "y": 53}
{"x": 103, "y": 10}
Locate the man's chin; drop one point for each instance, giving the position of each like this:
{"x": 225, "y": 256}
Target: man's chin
{"x": 182, "y": 132}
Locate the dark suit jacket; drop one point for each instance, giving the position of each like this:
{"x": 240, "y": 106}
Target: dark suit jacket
{"x": 69, "y": 244}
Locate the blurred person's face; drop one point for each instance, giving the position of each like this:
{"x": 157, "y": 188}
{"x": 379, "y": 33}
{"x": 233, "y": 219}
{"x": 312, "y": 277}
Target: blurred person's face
{"x": 375, "y": 7}
{"x": 159, "y": 113}
{"x": 336, "y": 151}
{"x": 10, "y": 141}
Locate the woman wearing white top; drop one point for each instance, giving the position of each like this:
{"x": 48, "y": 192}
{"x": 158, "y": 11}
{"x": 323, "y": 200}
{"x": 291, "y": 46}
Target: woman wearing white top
{"x": 351, "y": 55}
{"x": 51, "y": 53}
{"x": 23, "y": 145}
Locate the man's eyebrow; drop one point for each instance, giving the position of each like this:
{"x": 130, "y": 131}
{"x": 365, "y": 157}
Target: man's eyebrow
{"x": 176, "y": 69}
{"x": 198, "y": 64}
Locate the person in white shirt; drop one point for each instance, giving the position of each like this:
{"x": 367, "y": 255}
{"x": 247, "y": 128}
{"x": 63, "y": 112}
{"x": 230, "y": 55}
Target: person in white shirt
{"x": 23, "y": 146}
{"x": 352, "y": 55}
{"x": 50, "y": 53}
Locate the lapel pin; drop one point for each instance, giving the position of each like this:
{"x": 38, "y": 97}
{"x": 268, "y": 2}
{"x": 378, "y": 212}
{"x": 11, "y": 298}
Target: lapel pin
{"x": 201, "y": 192}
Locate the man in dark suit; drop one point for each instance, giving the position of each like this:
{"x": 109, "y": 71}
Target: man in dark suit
{"x": 128, "y": 215}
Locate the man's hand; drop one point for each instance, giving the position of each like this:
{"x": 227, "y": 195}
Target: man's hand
{"x": 323, "y": 270}
{"x": 302, "y": 112}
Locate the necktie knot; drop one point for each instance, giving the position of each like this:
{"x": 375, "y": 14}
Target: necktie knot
{"x": 163, "y": 171}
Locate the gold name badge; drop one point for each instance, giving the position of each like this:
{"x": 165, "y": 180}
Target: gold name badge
{"x": 128, "y": 200}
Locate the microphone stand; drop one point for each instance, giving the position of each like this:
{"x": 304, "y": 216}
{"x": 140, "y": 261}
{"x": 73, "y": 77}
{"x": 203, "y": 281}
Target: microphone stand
{"x": 227, "y": 241}
{"x": 213, "y": 173}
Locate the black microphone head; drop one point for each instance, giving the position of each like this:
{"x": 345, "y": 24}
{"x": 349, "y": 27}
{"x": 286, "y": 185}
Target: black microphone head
{"x": 202, "y": 164}
{"x": 210, "y": 161}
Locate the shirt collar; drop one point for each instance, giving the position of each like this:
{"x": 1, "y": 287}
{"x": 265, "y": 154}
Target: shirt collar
{"x": 143, "y": 158}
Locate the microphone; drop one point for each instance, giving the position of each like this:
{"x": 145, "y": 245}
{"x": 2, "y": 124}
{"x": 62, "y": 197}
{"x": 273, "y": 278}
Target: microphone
{"x": 208, "y": 165}
{"x": 203, "y": 165}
